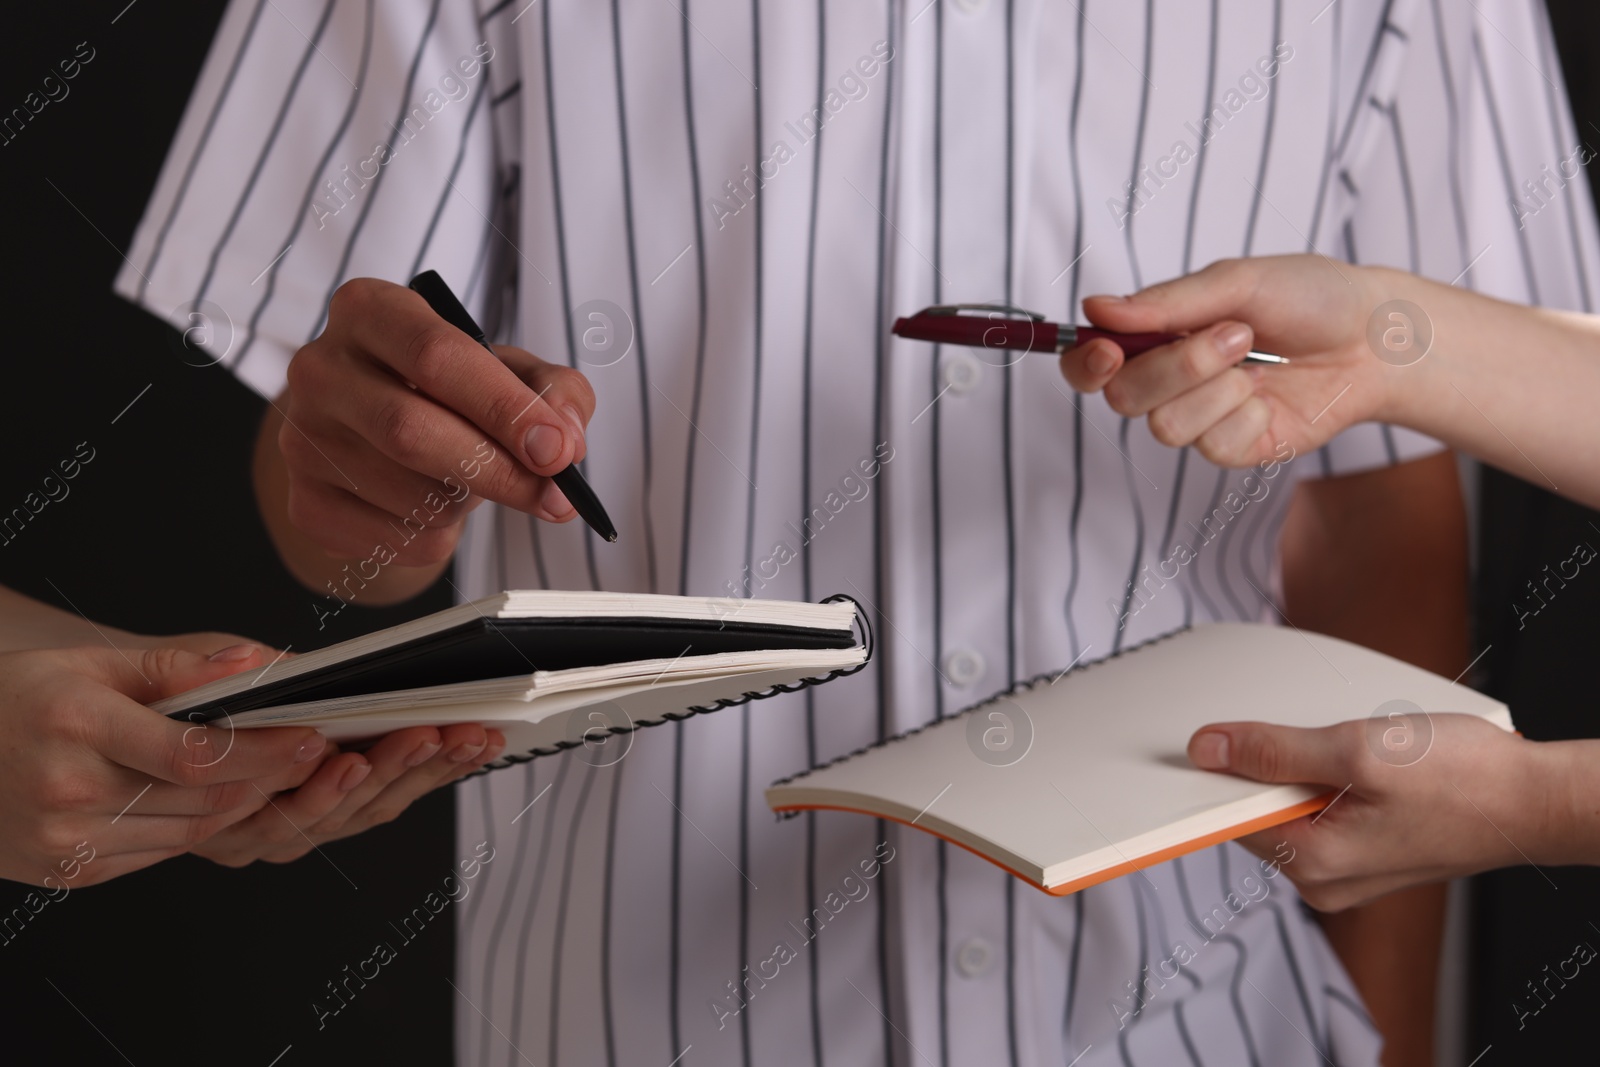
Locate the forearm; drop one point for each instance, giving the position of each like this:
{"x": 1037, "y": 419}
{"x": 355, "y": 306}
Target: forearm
{"x": 26, "y": 623}
{"x": 305, "y": 559}
{"x": 1513, "y": 386}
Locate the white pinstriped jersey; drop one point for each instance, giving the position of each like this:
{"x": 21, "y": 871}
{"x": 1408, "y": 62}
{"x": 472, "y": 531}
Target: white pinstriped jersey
{"x": 757, "y": 187}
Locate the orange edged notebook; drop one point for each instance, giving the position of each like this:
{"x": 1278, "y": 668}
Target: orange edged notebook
{"x": 1077, "y": 778}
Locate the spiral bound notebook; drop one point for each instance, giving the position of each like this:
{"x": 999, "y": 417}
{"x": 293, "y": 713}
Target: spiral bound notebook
{"x": 550, "y": 669}
{"x": 1077, "y": 778}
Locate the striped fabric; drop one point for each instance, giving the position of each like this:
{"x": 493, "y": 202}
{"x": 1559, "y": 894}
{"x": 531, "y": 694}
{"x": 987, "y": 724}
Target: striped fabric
{"x": 749, "y": 191}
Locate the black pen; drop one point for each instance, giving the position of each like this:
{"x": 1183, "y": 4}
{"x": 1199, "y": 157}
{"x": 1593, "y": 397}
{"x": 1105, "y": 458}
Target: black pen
{"x": 571, "y": 481}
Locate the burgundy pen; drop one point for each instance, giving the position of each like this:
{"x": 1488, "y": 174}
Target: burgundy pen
{"x": 1000, "y": 326}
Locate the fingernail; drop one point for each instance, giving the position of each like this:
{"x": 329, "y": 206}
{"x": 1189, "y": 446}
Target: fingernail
{"x": 1209, "y": 752}
{"x": 1101, "y": 361}
{"x": 354, "y": 775}
{"x": 555, "y": 501}
{"x": 1233, "y": 338}
{"x": 493, "y": 750}
{"x": 422, "y": 754}
{"x": 233, "y": 654}
{"x": 463, "y": 752}
{"x": 310, "y": 748}
{"x": 1113, "y": 299}
{"x": 544, "y": 445}
{"x": 573, "y": 417}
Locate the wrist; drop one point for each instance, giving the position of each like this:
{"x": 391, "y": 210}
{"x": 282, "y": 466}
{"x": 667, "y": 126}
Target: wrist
{"x": 1397, "y": 376}
{"x": 1555, "y": 805}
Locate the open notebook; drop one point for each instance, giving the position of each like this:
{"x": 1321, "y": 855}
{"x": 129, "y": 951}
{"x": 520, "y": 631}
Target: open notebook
{"x": 1074, "y": 779}
{"x": 550, "y": 669}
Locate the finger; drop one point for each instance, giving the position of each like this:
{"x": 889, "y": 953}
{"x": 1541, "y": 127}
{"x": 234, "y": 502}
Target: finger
{"x": 1333, "y": 897}
{"x": 1241, "y": 438}
{"x": 461, "y": 742}
{"x": 347, "y": 527}
{"x": 397, "y": 327}
{"x": 490, "y": 753}
{"x": 191, "y": 755}
{"x": 554, "y": 505}
{"x": 152, "y": 674}
{"x": 1183, "y": 419}
{"x": 347, "y": 461}
{"x": 467, "y": 748}
{"x": 134, "y": 792}
{"x": 553, "y": 382}
{"x": 1268, "y": 753}
{"x": 1265, "y": 844}
{"x": 185, "y": 754}
{"x": 1222, "y": 290}
{"x": 407, "y": 426}
{"x": 155, "y": 833}
{"x": 237, "y": 648}
{"x": 1172, "y": 370}
{"x": 392, "y": 756}
{"x": 1089, "y": 367}
{"x": 1330, "y": 865}
{"x": 1308, "y": 873}
{"x": 108, "y": 866}
{"x": 280, "y": 830}
{"x": 297, "y": 775}
{"x": 1290, "y": 849}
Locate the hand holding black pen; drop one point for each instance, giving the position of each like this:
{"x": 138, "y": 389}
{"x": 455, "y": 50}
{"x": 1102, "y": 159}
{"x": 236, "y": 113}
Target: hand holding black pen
{"x": 569, "y": 480}
{"x": 394, "y": 426}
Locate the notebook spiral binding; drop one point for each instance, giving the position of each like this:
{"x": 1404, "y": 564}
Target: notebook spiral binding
{"x": 1024, "y": 686}
{"x": 867, "y": 642}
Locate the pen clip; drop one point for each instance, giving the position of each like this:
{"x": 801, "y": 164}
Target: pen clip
{"x": 1004, "y": 309}
{"x": 980, "y": 326}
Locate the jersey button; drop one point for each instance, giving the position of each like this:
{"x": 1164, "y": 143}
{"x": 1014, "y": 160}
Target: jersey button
{"x": 960, "y": 372}
{"x": 963, "y": 667}
{"x": 974, "y": 957}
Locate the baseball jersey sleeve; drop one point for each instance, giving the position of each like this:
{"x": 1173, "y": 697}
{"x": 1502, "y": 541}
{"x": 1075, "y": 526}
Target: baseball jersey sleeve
{"x": 322, "y": 142}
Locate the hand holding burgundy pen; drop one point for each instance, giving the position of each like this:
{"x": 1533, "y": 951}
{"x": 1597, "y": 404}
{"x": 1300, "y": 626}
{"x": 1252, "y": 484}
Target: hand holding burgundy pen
{"x": 1003, "y": 327}
{"x": 570, "y": 481}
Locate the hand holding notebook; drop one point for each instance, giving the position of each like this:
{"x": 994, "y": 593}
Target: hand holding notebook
{"x": 550, "y": 670}
{"x": 1454, "y": 795}
{"x": 1077, "y": 778}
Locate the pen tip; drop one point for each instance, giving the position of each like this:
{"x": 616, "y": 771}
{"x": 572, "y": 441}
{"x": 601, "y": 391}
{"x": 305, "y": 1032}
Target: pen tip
{"x": 611, "y": 539}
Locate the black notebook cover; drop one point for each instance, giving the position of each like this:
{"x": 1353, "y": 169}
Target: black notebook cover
{"x": 489, "y": 647}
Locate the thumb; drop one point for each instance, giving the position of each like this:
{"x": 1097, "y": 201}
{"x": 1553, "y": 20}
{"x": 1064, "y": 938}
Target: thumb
{"x": 1220, "y": 291}
{"x": 1267, "y": 753}
{"x": 148, "y": 675}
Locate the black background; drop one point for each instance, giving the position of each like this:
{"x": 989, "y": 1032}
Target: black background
{"x": 1544, "y": 668}
{"x": 186, "y": 962}
{"x": 192, "y": 963}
